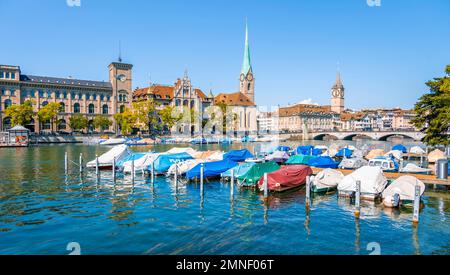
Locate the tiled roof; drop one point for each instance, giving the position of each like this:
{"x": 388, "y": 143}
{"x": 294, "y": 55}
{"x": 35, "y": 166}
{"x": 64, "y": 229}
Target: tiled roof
{"x": 64, "y": 81}
{"x": 352, "y": 116}
{"x": 234, "y": 99}
{"x": 163, "y": 92}
{"x": 304, "y": 108}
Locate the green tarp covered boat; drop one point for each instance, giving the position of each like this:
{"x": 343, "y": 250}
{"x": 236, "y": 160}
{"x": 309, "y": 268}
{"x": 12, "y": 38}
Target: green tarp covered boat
{"x": 300, "y": 159}
{"x": 256, "y": 172}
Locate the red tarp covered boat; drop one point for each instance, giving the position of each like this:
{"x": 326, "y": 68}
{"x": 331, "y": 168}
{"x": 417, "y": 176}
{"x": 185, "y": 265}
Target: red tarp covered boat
{"x": 286, "y": 177}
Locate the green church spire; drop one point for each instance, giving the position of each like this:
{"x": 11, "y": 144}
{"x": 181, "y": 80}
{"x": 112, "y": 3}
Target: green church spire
{"x": 246, "y": 65}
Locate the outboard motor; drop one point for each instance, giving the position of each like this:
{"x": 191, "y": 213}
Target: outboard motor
{"x": 396, "y": 200}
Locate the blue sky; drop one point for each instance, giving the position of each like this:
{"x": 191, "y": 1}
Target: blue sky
{"x": 385, "y": 53}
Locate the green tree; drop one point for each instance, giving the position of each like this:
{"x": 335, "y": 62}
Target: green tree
{"x": 127, "y": 120}
{"x": 20, "y": 114}
{"x": 145, "y": 114}
{"x": 49, "y": 113}
{"x": 169, "y": 116}
{"x": 78, "y": 122}
{"x": 433, "y": 111}
{"x": 101, "y": 122}
{"x": 227, "y": 125}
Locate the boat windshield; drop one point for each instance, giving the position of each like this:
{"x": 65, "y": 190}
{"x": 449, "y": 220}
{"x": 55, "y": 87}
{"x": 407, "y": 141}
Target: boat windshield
{"x": 375, "y": 163}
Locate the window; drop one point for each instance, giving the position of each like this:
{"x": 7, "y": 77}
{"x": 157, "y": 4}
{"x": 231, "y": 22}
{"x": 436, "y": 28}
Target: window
{"x": 249, "y": 86}
{"x": 102, "y": 97}
{"x": 7, "y": 75}
{"x": 95, "y": 97}
{"x": 120, "y": 98}
{"x": 62, "y": 107}
{"x": 45, "y": 103}
{"x": 2, "y": 74}
{"x": 62, "y": 125}
{"x": 3, "y": 92}
{"x": 13, "y": 75}
{"x": 76, "y": 108}
{"x": 122, "y": 108}
{"x": 8, "y": 103}
{"x": 91, "y": 108}
{"x": 105, "y": 109}
{"x": 124, "y": 97}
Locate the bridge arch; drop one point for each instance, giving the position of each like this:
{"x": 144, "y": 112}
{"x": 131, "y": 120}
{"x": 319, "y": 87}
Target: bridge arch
{"x": 385, "y": 137}
{"x": 351, "y": 136}
{"x": 322, "y": 136}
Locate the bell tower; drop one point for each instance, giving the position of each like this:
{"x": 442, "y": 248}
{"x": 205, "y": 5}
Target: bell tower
{"x": 247, "y": 79}
{"x": 337, "y": 95}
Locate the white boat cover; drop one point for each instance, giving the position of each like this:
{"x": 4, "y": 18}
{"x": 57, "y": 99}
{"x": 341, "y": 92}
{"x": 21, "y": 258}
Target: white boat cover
{"x": 353, "y": 163}
{"x": 413, "y": 168}
{"x": 434, "y": 155}
{"x": 113, "y": 141}
{"x": 141, "y": 163}
{"x": 372, "y": 179}
{"x": 277, "y": 155}
{"x": 351, "y": 147}
{"x": 177, "y": 150}
{"x": 332, "y": 150}
{"x": 395, "y": 153}
{"x": 405, "y": 187}
{"x": 216, "y": 156}
{"x": 184, "y": 166}
{"x": 358, "y": 153}
{"x": 327, "y": 178}
{"x": 417, "y": 150}
{"x": 321, "y": 147}
{"x": 118, "y": 152}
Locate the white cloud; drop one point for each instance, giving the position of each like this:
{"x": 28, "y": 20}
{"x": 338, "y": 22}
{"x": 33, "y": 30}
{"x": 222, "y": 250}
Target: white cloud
{"x": 308, "y": 101}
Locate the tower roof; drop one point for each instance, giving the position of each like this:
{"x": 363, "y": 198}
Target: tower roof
{"x": 338, "y": 83}
{"x": 246, "y": 64}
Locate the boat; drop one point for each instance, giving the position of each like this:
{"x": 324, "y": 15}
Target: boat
{"x": 373, "y": 182}
{"x": 177, "y": 150}
{"x": 344, "y": 153}
{"x": 113, "y": 141}
{"x": 198, "y": 141}
{"x": 375, "y": 153}
{"x": 287, "y": 177}
{"x": 304, "y": 150}
{"x": 106, "y": 160}
{"x": 401, "y": 148}
{"x": 352, "y": 163}
{"x": 184, "y": 166}
{"x": 323, "y": 162}
{"x": 216, "y": 156}
{"x": 396, "y": 154}
{"x": 417, "y": 150}
{"x": 282, "y": 148}
{"x": 435, "y": 155}
{"x": 211, "y": 169}
{"x": 401, "y": 192}
{"x": 326, "y": 180}
{"x": 255, "y": 160}
{"x": 163, "y": 162}
{"x": 258, "y": 170}
{"x": 203, "y": 154}
{"x": 414, "y": 169}
{"x": 387, "y": 164}
{"x": 300, "y": 159}
{"x": 140, "y": 163}
{"x": 278, "y": 157}
{"x": 238, "y": 170}
{"x": 238, "y": 155}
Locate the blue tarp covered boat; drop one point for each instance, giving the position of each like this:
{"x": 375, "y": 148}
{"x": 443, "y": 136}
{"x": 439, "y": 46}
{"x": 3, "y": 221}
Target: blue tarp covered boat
{"x": 199, "y": 141}
{"x": 129, "y": 157}
{"x": 238, "y": 170}
{"x": 238, "y": 155}
{"x": 304, "y": 150}
{"x": 283, "y": 148}
{"x": 163, "y": 162}
{"x": 401, "y": 148}
{"x": 344, "y": 152}
{"x": 323, "y": 162}
{"x": 211, "y": 169}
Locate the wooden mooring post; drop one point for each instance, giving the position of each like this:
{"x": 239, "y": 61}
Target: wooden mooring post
{"x": 266, "y": 187}
{"x": 114, "y": 169}
{"x": 132, "y": 170}
{"x": 175, "y": 178}
{"x": 97, "y": 171}
{"x": 202, "y": 172}
{"x": 66, "y": 163}
{"x": 358, "y": 199}
{"x": 416, "y": 205}
{"x": 308, "y": 192}
{"x": 80, "y": 163}
{"x": 232, "y": 184}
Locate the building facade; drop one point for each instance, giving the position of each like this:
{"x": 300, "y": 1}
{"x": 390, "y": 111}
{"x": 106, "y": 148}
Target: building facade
{"x": 89, "y": 98}
{"x": 300, "y": 117}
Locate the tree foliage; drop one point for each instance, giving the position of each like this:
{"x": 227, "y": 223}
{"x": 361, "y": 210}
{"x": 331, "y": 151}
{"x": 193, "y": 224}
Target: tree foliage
{"x": 78, "y": 122}
{"x": 126, "y": 120}
{"x": 169, "y": 116}
{"x": 20, "y": 114}
{"x": 433, "y": 111}
{"x": 49, "y": 113}
{"x": 145, "y": 114}
{"x": 101, "y": 122}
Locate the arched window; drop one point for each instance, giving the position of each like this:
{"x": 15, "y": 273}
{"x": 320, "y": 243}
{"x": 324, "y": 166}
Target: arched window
{"x": 76, "y": 108}
{"x": 6, "y": 123}
{"x": 122, "y": 108}
{"x": 185, "y": 103}
{"x": 249, "y": 86}
{"x": 62, "y": 125}
{"x": 62, "y": 107}
{"x": 177, "y": 102}
{"x": 124, "y": 98}
{"x": 8, "y": 103}
{"x": 91, "y": 108}
{"x": 120, "y": 98}
{"x": 105, "y": 109}
{"x": 102, "y": 97}
{"x": 95, "y": 96}
{"x": 88, "y": 96}
{"x": 45, "y": 103}
{"x": 192, "y": 103}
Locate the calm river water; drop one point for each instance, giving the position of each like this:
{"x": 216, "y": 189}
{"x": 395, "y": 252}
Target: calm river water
{"x": 42, "y": 211}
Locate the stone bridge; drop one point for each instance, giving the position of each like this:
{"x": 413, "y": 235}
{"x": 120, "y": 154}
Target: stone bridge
{"x": 374, "y": 135}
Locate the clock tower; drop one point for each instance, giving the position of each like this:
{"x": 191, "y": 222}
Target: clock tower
{"x": 337, "y": 95}
{"x": 247, "y": 79}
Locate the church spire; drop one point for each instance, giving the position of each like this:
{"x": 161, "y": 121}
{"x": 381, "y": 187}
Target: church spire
{"x": 246, "y": 64}
{"x": 338, "y": 83}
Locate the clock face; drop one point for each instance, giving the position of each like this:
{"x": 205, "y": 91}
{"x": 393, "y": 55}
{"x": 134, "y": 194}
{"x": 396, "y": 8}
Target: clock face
{"x": 250, "y": 77}
{"x": 122, "y": 78}
{"x": 335, "y": 93}
{"x": 242, "y": 77}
